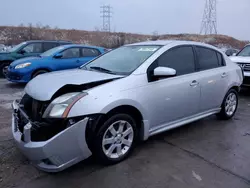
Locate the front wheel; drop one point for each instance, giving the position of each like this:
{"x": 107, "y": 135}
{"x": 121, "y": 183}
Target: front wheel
{"x": 115, "y": 139}
{"x": 229, "y": 105}
{"x": 4, "y": 69}
{"x": 38, "y": 73}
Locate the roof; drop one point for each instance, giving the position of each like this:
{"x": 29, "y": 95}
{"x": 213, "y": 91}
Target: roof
{"x": 83, "y": 46}
{"x": 29, "y": 41}
{"x": 167, "y": 42}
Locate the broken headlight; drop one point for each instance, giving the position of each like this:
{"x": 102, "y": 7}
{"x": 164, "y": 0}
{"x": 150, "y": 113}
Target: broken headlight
{"x": 60, "y": 107}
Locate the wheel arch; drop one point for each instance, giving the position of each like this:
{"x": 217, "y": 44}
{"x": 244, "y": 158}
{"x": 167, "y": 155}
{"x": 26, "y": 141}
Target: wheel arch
{"x": 39, "y": 69}
{"x": 132, "y": 108}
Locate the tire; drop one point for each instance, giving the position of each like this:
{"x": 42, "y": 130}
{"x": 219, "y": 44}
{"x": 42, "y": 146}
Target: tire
{"x": 109, "y": 152}
{"x": 38, "y": 73}
{"x": 229, "y": 107}
{"x": 3, "y": 68}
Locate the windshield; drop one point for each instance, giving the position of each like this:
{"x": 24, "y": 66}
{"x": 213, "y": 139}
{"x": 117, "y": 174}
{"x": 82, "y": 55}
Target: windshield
{"x": 52, "y": 51}
{"x": 123, "y": 60}
{"x": 245, "y": 51}
{"x": 15, "y": 48}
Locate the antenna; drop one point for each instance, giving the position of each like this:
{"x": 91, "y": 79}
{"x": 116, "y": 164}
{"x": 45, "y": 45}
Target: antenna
{"x": 209, "y": 21}
{"x": 106, "y": 15}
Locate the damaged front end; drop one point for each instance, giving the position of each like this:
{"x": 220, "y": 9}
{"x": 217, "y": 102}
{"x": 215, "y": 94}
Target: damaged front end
{"x": 51, "y": 143}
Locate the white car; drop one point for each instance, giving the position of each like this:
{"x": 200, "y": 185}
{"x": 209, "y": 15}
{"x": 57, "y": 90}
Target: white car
{"x": 130, "y": 93}
{"x": 243, "y": 60}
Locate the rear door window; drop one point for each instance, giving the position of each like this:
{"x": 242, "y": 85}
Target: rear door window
{"x": 49, "y": 45}
{"x": 207, "y": 58}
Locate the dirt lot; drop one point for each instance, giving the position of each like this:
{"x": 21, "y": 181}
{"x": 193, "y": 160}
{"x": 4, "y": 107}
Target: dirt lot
{"x": 207, "y": 153}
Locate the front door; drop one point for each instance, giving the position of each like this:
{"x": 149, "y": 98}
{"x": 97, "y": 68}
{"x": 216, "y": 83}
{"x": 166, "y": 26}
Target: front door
{"x": 70, "y": 59}
{"x": 87, "y": 54}
{"x": 31, "y": 49}
{"x": 214, "y": 78}
{"x": 178, "y": 97}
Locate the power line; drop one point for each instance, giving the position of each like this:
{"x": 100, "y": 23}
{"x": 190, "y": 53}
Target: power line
{"x": 106, "y": 14}
{"x": 209, "y": 21}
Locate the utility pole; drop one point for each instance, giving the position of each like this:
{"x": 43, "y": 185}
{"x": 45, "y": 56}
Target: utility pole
{"x": 209, "y": 21}
{"x": 106, "y": 15}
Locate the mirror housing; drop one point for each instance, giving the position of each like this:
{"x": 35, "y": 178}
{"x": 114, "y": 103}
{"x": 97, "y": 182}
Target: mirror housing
{"x": 234, "y": 54}
{"x": 22, "y": 51}
{"x": 58, "y": 56}
{"x": 164, "y": 72}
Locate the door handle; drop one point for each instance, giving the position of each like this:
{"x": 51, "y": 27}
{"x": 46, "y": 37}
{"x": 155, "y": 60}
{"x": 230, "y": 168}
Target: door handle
{"x": 194, "y": 83}
{"x": 78, "y": 61}
{"x": 223, "y": 74}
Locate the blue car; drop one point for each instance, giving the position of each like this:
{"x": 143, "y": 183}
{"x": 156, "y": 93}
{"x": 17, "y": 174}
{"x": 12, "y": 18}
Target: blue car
{"x": 59, "y": 58}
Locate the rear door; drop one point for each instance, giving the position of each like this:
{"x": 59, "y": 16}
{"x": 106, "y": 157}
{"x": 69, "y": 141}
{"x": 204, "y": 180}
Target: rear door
{"x": 213, "y": 78}
{"x": 88, "y": 54}
{"x": 70, "y": 59}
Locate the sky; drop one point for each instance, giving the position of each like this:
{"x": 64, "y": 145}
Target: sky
{"x": 135, "y": 16}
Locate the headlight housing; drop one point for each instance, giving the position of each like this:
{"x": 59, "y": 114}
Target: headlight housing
{"x": 60, "y": 107}
{"x": 23, "y": 65}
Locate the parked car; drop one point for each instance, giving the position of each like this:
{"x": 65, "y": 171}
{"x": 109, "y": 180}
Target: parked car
{"x": 59, "y": 58}
{"x": 26, "y": 49}
{"x": 243, "y": 60}
{"x": 129, "y": 93}
{"x": 231, "y": 51}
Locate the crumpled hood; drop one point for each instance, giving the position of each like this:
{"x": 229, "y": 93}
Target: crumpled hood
{"x": 240, "y": 59}
{"x": 25, "y": 60}
{"x": 44, "y": 86}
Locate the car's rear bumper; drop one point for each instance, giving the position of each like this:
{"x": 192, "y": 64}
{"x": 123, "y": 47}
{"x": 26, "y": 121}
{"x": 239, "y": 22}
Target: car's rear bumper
{"x": 61, "y": 151}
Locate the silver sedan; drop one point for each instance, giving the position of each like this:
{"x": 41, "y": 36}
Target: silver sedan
{"x": 125, "y": 95}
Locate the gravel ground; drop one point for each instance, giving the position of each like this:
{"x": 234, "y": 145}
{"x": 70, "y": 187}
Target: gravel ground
{"x": 207, "y": 153}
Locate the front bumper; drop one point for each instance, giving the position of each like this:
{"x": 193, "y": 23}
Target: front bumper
{"x": 19, "y": 77}
{"x": 246, "y": 80}
{"x": 56, "y": 154}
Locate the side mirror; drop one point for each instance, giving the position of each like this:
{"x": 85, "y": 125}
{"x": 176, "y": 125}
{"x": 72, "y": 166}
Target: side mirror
{"x": 22, "y": 51}
{"x": 234, "y": 54}
{"x": 164, "y": 72}
{"x": 58, "y": 56}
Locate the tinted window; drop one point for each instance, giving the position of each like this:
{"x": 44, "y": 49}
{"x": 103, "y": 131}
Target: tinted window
{"x": 220, "y": 59}
{"x": 207, "y": 58}
{"x": 71, "y": 53}
{"x": 33, "y": 48}
{"x": 49, "y": 45}
{"x": 181, "y": 59}
{"x": 88, "y": 52}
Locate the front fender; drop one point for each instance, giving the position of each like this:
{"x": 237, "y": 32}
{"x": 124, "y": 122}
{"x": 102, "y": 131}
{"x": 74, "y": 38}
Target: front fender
{"x": 123, "y": 102}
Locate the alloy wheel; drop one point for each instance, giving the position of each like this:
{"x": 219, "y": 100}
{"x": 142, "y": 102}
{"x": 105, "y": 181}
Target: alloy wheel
{"x": 231, "y": 104}
{"x": 117, "y": 139}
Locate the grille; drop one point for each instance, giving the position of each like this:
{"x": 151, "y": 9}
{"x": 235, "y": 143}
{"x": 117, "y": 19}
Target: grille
{"x": 244, "y": 66}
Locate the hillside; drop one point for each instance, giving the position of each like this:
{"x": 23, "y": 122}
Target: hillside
{"x": 14, "y": 35}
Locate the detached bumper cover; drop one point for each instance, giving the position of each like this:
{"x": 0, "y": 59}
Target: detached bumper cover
{"x": 56, "y": 154}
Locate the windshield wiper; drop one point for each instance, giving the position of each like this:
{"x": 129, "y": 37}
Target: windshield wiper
{"x": 102, "y": 70}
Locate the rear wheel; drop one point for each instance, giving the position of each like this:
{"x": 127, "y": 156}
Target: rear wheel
{"x": 116, "y": 139}
{"x": 229, "y": 105}
{"x": 38, "y": 73}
